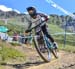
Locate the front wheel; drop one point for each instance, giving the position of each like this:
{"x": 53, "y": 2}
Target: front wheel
{"x": 54, "y": 52}
{"x": 42, "y": 49}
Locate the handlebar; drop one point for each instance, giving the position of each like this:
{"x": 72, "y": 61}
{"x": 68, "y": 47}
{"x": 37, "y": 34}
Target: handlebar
{"x": 35, "y": 26}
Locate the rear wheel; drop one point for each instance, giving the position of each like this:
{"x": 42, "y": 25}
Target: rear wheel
{"x": 42, "y": 49}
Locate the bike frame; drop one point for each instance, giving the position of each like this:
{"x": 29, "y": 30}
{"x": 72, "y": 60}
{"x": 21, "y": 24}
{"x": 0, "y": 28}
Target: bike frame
{"x": 48, "y": 43}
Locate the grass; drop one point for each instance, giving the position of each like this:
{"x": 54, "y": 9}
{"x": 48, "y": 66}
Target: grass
{"x": 15, "y": 44}
{"x": 67, "y": 48}
{"x": 13, "y": 26}
{"x": 70, "y": 39}
{"x": 8, "y": 53}
{"x": 54, "y": 28}
{"x": 1, "y": 67}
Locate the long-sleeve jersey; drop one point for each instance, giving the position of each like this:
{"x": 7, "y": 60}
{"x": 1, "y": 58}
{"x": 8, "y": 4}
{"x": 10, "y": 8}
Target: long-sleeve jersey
{"x": 33, "y": 22}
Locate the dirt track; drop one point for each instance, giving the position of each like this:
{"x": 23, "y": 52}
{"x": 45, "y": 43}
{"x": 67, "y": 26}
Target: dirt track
{"x": 65, "y": 61}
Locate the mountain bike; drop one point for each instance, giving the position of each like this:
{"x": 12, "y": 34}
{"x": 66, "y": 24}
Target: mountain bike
{"x": 43, "y": 45}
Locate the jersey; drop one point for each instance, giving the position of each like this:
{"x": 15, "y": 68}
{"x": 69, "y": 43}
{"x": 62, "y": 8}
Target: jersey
{"x": 33, "y": 22}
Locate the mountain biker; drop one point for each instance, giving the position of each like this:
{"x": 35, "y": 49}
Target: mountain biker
{"x": 35, "y": 18}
